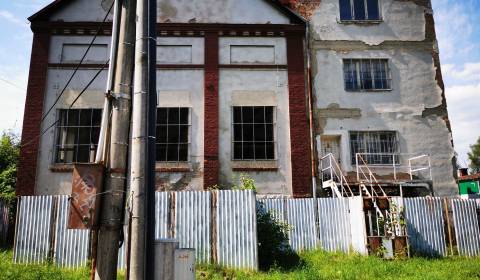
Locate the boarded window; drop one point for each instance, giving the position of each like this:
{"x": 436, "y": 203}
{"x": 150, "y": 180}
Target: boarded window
{"x": 174, "y": 54}
{"x": 252, "y": 54}
{"x": 77, "y": 135}
{"x": 375, "y": 147}
{"x": 253, "y": 133}
{"x": 359, "y": 10}
{"x": 366, "y": 74}
{"x": 173, "y": 129}
{"x": 73, "y": 53}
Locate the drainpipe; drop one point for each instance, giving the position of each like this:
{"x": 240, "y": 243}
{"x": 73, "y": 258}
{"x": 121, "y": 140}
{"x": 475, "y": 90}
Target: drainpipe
{"x": 310, "y": 110}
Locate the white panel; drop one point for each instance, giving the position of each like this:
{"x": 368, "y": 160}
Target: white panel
{"x": 357, "y": 225}
{"x": 73, "y": 53}
{"x": 174, "y": 54}
{"x": 252, "y": 54}
{"x": 173, "y": 98}
{"x": 254, "y": 98}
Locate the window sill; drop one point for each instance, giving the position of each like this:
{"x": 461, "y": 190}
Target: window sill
{"x": 369, "y": 90}
{"x": 255, "y": 166}
{"x": 360, "y": 22}
{"x": 173, "y": 167}
{"x": 61, "y": 168}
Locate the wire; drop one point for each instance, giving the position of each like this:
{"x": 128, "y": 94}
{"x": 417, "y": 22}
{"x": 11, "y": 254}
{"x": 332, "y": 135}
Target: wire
{"x": 12, "y": 84}
{"x": 79, "y": 64}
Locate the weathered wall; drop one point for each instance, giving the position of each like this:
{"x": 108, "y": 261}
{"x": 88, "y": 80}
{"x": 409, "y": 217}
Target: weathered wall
{"x": 405, "y": 38}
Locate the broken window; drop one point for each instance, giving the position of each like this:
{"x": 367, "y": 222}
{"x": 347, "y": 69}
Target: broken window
{"x": 359, "y": 10}
{"x": 375, "y": 147}
{"x": 253, "y": 133}
{"x": 173, "y": 128}
{"x": 77, "y": 135}
{"x": 366, "y": 74}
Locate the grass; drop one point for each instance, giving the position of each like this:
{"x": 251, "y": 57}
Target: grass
{"x": 321, "y": 265}
{"x": 315, "y": 265}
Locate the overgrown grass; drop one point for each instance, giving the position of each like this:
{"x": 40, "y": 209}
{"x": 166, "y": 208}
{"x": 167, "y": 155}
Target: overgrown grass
{"x": 321, "y": 265}
{"x": 11, "y": 271}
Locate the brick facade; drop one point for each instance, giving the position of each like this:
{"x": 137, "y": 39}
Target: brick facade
{"x": 299, "y": 122}
{"x": 33, "y": 114}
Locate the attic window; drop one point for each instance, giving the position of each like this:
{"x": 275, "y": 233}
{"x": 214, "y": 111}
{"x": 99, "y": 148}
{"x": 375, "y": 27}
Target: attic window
{"x": 359, "y": 10}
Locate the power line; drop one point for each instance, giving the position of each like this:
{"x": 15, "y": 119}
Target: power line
{"x": 12, "y": 84}
{"x": 79, "y": 64}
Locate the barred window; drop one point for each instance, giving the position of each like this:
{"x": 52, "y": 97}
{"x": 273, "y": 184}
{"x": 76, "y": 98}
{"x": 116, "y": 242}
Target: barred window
{"x": 377, "y": 145}
{"x": 77, "y": 134}
{"x": 366, "y": 74}
{"x": 173, "y": 139}
{"x": 253, "y": 133}
{"x": 359, "y": 10}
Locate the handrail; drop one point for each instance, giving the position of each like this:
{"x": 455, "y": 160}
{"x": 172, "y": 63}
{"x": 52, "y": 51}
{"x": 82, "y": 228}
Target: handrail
{"x": 371, "y": 179}
{"x": 421, "y": 168}
{"x": 331, "y": 167}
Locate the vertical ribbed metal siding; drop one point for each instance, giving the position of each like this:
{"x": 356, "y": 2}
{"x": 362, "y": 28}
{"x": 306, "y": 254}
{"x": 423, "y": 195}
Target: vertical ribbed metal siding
{"x": 192, "y": 225}
{"x": 467, "y": 231}
{"x": 237, "y": 229}
{"x": 301, "y": 220}
{"x": 162, "y": 213}
{"x": 3, "y": 223}
{"x": 334, "y": 224}
{"x": 71, "y": 246}
{"x": 276, "y": 207}
{"x": 425, "y": 226}
{"x": 33, "y": 230}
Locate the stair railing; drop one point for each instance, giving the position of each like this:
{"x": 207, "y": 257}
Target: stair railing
{"x": 333, "y": 169}
{"x": 370, "y": 179}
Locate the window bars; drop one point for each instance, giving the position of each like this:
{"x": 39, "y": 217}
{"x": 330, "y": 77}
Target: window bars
{"x": 377, "y": 147}
{"x": 366, "y": 74}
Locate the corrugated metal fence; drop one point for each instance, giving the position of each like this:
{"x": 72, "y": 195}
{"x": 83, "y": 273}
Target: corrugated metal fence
{"x": 467, "y": 230}
{"x": 4, "y": 212}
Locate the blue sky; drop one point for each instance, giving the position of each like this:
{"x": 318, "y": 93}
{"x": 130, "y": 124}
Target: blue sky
{"x": 458, "y": 31}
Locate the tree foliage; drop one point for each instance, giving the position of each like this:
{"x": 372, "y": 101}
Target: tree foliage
{"x": 9, "y": 154}
{"x": 474, "y": 157}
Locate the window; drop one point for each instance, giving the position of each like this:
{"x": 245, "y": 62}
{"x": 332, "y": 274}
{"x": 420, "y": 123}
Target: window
{"x": 378, "y": 145}
{"x": 173, "y": 128}
{"x": 366, "y": 74}
{"x": 253, "y": 133}
{"x": 77, "y": 135}
{"x": 359, "y": 10}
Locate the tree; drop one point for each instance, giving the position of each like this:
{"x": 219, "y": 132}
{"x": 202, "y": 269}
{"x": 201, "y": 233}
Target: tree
{"x": 9, "y": 154}
{"x": 474, "y": 157}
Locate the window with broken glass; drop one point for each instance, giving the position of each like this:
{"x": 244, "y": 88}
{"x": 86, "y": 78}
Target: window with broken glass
{"x": 359, "y": 10}
{"x": 253, "y": 133}
{"x": 77, "y": 133}
{"x": 366, "y": 74}
{"x": 173, "y": 134}
{"x": 375, "y": 147}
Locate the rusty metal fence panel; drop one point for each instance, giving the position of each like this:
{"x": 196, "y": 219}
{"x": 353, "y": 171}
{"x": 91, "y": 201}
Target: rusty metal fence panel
{"x": 236, "y": 223}
{"x": 334, "y": 224}
{"x": 192, "y": 224}
{"x": 467, "y": 231}
{"x": 34, "y": 229}
{"x": 4, "y": 212}
{"x": 302, "y": 223}
{"x": 425, "y": 226}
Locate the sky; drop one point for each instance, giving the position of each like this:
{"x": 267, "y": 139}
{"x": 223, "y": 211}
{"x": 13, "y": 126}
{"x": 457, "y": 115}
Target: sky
{"x": 458, "y": 32}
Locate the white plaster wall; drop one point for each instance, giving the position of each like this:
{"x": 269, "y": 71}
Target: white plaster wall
{"x": 258, "y": 85}
{"x": 402, "y": 20}
{"x": 197, "y": 51}
{"x": 279, "y": 49}
{"x": 84, "y": 10}
{"x": 57, "y": 42}
{"x": 414, "y": 89}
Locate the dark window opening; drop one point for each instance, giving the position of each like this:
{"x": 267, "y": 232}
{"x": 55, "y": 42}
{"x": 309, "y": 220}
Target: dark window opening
{"x": 173, "y": 128}
{"x": 359, "y": 10}
{"x": 375, "y": 147}
{"x": 366, "y": 74}
{"x": 253, "y": 133}
{"x": 77, "y": 133}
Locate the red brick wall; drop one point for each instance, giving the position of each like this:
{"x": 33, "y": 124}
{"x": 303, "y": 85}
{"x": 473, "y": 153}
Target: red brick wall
{"x": 33, "y": 114}
{"x": 299, "y": 122}
{"x": 211, "y": 164}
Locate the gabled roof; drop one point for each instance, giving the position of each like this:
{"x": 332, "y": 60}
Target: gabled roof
{"x": 48, "y": 10}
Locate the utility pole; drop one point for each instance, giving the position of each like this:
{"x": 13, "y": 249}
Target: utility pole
{"x": 144, "y": 99}
{"x": 112, "y": 210}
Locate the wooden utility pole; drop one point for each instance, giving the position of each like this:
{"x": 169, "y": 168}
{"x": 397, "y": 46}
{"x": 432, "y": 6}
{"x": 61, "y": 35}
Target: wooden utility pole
{"x": 141, "y": 159}
{"x": 112, "y": 210}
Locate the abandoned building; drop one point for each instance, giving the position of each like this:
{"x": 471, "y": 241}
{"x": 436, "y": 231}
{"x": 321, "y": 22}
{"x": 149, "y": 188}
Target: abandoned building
{"x": 277, "y": 90}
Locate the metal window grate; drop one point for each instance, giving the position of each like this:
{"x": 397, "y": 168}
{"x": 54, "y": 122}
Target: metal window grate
{"x": 253, "y": 133}
{"x": 173, "y": 134}
{"x": 378, "y": 145}
{"x": 366, "y": 74}
{"x": 359, "y": 10}
{"x": 77, "y": 133}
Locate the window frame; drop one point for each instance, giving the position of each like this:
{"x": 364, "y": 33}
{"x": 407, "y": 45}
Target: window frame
{"x": 397, "y": 151}
{"x": 274, "y": 135}
{"x": 189, "y": 142}
{"x": 358, "y": 67}
{"x": 352, "y": 11}
{"x": 59, "y": 147}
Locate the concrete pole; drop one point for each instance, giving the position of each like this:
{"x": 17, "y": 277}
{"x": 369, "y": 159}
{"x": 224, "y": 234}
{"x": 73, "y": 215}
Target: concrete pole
{"x": 139, "y": 166}
{"x": 112, "y": 211}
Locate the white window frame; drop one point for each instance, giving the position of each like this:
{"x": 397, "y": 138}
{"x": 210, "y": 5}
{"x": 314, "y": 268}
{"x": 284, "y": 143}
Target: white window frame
{"x": 189, "y": 142}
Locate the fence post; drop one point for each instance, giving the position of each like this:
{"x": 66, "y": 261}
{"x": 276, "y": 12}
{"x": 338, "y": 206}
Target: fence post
{"x": 213, "y": 228}
{"x": 53, "y": 229}
{"x": 449, "y": 229}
